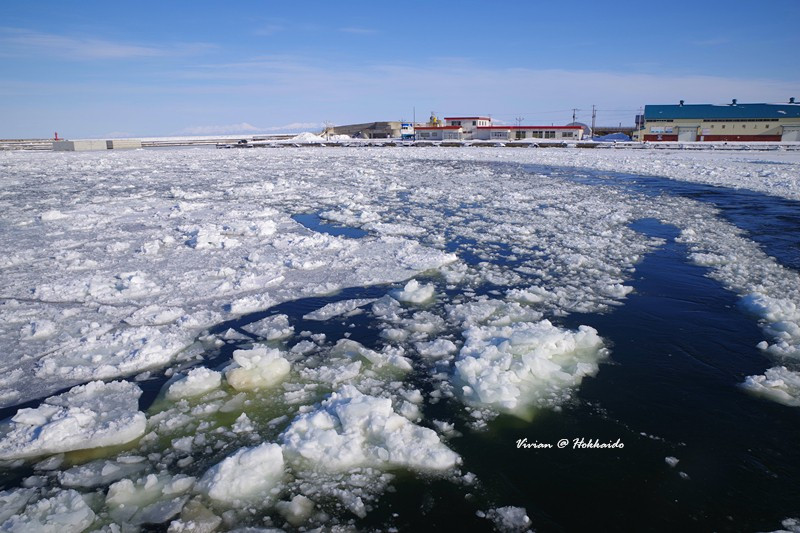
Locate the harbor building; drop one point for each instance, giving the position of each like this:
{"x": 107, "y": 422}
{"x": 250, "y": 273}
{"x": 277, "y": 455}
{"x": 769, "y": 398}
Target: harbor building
{"x": 732, "y": 122}
{"x": 370, "y": 130}
{"x": 513, "y": 133}
{"x": 468, "y": 124}
{"x": 439, "y": 133}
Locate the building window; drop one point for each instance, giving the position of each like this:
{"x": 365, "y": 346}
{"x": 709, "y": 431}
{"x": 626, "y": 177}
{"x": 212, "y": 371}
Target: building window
{"x": 723, "y": 126}
{"x": 567, "y": 134}
{"x": 520, "y": 134}
{"x": 549, "y": 135}
{"x": 474, "y": 122}
{"x": 536, "y": 134}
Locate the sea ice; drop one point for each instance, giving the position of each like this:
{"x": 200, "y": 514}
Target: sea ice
{"x": 66, "y": 512}
{"x": 297, "y": 510}
{"x": 198, "y": 381}
{"x": 271, "y": 328}
{"x": 153, "y": 499}
{"x": 247, "y": 476}
{"x": 778, "y": 384}
{"x": 388, "y": 357}
{"x": 257, "y": 368}
{"x": 337, "y": 308}
{"x": 88, "y": 416}
{"x": 414, "y": 292}
{"x": 508, "y": 519}
{"x": 525, "y": 364}
{"x": 351, "y": 429}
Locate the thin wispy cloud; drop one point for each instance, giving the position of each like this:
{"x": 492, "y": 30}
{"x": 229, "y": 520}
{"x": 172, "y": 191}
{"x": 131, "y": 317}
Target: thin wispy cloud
{"x": 358, "y": 31}
{"x": 246, "y": 127}
{"x": 20, "y": 42}
{"x": 297, "y": 126}
{"x": 241, "y": 127}
{"x": 269, "y": 29}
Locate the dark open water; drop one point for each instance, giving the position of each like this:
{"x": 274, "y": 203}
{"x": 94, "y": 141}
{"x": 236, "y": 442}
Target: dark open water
{"x": 680, "y": 347}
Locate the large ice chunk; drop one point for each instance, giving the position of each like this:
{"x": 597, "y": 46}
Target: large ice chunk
{"x": 198, "y": 381}
{"x": 525, "y": 364}
{"x": 337, "y": 308}
{"x": 88, "y": 416}
{"x": 351, "y": 430}
{"x": 778, "y": 384}
{"x": 66, "y": 512}
{"x": 258, "y": 368}
{"x": 414, "y": 292}
{"x": 248, "y": 475}
{"x": 387, "y": 358}
{"x": 153, "y": 499}
{"x": 781, "y": 318}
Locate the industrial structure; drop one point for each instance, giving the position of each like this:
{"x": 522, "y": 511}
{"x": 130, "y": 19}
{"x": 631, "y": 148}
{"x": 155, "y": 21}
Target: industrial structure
{"x": 732, "y": 122}
{"x": 369, "y": 130}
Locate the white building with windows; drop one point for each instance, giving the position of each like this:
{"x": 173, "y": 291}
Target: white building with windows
{"x": 513, "y": 133}
{"x": 468, "y": 124}
{"x": 439, "y": 133}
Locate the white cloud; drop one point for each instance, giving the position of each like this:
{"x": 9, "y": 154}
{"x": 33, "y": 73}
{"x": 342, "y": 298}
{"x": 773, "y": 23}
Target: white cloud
{"x": 308, "y": 88}
{"x": 296, "y": 93}
{"x": 20, "y": 42}
{"x": 246, "y": 127}
{"x": 117, "y": 135}
{"x": 297, "y": 126}
{"x": 269, "y": 29}
{"x": 242, "y": 127}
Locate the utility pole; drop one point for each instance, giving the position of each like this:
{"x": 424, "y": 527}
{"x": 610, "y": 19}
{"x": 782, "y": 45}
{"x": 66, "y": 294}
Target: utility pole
{"x": 519, "y": 120}
{"x": 574, "y": 112}
{"x": 594, "y": 116}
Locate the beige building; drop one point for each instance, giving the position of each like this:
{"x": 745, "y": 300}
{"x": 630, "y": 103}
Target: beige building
{"x": 732, "y": 122}
{"x": 369, "y": 130}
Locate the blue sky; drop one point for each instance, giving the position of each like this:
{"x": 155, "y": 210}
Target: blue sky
{"x": 100, "y": 69}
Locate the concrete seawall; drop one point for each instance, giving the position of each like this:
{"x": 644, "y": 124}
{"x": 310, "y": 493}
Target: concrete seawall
{"x": 283, "y": 141}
